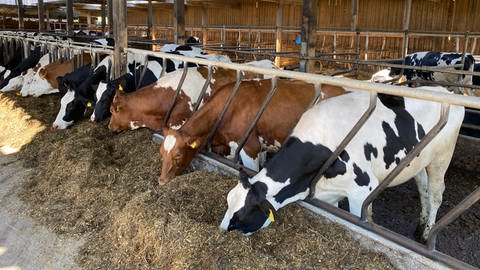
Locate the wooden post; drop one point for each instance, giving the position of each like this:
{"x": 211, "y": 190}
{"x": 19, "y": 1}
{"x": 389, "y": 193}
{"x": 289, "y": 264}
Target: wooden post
{"x": 354, "y": 23}
{"x": 309, "y": 35}
{"x": 354, "y": 27}
{"x": 103, "y": 16}
{"x": 69, "y": 17}
{"x": 119, "y": 22}
{"x": 278, "y": 32}
{"x": 89, "y": 20}
{"x": 41, "y": 17}
{"x": 406, "y": 24}
{"x": 149, "y": 19}
{"x": 179, "y": 21}
{"x": 47, "y": 15}
{"x": 111, "y": 21}
{"x": 21, "y": 13}
{"x": 204, "y": 26}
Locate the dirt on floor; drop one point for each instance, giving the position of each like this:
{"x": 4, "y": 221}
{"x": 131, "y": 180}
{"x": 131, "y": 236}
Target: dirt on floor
{"x": 89, "y": 182}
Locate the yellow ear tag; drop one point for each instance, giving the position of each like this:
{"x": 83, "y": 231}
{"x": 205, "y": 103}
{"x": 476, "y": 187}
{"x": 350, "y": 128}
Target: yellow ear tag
{"x": 271, "y": 217}
{"x": 193, "y": 145}
{"x": 89, "y": 104}
{"x": 120, "y": 88}
{"x": 18, "y": 93}
{"x": 117, "y": 109}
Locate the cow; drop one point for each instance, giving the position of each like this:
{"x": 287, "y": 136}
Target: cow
{"x": 26, "y": 77}
{"x": 148, "y": 106}
{"x": 105, "y": 41}
{"x": 45, "y": 79}
{"x": 291, "y": 99}
{"x": 30, "y": 62}
{"x": 192, "y": 40}
{"x": 11, "y": 62}
{"x": 394, "y": 128}
{"x": 429, "y": 59}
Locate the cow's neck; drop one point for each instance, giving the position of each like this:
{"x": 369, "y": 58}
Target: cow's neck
{"x": 202, "y": 122}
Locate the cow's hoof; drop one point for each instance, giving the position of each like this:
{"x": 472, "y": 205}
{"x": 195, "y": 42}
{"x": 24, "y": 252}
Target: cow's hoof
{"x": 418, "y": 234}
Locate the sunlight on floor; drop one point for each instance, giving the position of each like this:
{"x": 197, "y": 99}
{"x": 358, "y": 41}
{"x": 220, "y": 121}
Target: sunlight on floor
{"x": 17, "y": 127}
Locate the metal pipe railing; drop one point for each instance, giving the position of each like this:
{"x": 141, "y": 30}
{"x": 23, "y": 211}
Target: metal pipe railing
{"x": 177, "y": 92}
{"x": 467, "y": 101}
{"x": 204, "y": 89}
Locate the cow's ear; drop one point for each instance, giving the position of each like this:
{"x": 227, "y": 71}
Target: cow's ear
{"x": 243, "y": 177}
{"x": 193, "y": 143}
{"x": 42, "y": 73}
{"x": 268, "y": 209}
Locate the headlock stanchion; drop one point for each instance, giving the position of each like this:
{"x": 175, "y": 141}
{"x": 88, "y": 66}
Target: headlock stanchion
{"x": 252, "y": 125}
{"x": 345, "y": 141}
{"x": 445, "y": 109}
{"x": 177, "y": 92}
{"x": 144, "y": 70}
{"x": 224, "y": 111}
{"x": 204, "y": 89}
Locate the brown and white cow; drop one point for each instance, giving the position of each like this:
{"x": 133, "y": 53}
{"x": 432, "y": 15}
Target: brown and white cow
{"x": 45, "y": 80}
{"x": 287, "y": 105}
{"x": 148, "y": 106}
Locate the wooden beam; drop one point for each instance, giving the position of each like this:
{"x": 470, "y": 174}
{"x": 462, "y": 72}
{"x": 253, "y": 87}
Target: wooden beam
{"x": 41, "y": 16}
{"x": 110, "y": 17}
{"x": 407, "y": 9}
{"x": 119, "y": 22}
{"x": 69, "y": 4}
{"x": 89, "y": 19}
{"x": 150, "y": 19}
{"x": 204, "y": 26}
{"x": 309, "y": 35}
{"x": 179, "y": 21}
{"x": 47, "y": 15}
{"x": 278, "y": 32}
{"x": 104, "y": 15}
{"x": 21, "y": 14}
{"x": 354, "y": 24}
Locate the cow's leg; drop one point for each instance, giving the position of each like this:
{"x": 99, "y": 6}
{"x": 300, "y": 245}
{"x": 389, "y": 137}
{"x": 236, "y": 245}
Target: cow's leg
{"x": 421, "y": 179}
{"x": 436, "y": 186}
{"x": 249, "y": 153}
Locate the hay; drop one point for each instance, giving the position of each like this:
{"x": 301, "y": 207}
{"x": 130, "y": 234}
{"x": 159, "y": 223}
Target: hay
{"x": 88, "y": 181}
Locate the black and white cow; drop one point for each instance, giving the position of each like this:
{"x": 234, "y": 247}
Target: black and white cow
{"x": 105, "y": 41}
{"x": 15, "y": 78}
{"x": 11, "y": 61}
{"x": 429, "y": 59}
{"x": 395, "y": 127}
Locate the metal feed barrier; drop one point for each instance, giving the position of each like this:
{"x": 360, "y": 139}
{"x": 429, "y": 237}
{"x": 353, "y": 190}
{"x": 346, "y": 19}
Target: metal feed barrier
{"x": 445, "y": 99}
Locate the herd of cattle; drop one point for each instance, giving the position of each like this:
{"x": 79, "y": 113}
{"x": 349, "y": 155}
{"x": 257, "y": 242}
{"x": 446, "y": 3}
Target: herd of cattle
{"x": 142, "y": 99}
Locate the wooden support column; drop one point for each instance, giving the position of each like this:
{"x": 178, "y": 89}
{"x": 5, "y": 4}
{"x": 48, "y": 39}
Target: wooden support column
{"x": 69, "y": 4}
{"x": 278, "y": 32}
{"x": 47, "y": 15}
{"x": 41, "y": 16}
{"x": 89, "y": 20}
{"x": 21, "y": 14}
{"x": 104, "y": 15}
{"x": 309, "y": 35}
{"x": 111, "y": 21}
{"x": 3, "y": 25}
{"x": 407, "y": 8}
{"x": 150, "y": 19}
{"x": 119, "y": 23}
{"x": 179, "y": 21}
{"x": 204, "y": 26}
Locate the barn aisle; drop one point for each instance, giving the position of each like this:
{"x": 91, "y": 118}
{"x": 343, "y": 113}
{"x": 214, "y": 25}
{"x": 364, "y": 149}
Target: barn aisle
{"x": 24, "y": 243}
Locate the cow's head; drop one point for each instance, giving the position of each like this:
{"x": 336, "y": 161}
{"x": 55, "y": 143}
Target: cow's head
{"x": 177, "y": 151}
{"x": 40, "y": 82}
{"x": 72, "y": 108}
{"x": 121, "y": 111}
{"x": 248, "y": 209}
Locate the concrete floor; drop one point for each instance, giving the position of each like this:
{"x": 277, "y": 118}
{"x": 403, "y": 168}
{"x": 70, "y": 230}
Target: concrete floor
{"x": 25, "y": 244}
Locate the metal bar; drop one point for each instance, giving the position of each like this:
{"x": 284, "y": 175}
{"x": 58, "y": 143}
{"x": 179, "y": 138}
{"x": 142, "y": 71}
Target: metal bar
{"x": 252, "y": 125}
{"x": 345, "y": 142}
{"x": 406, "y": 160}
{"x": 225, "y": 108}
{"x": 466, "y": 101}
{"x": 204, "y": 89}
{"x": 164, "y": 67}
{"x": 450, "y": 216}
{"x": 392, "y": 236}
{"x": 144, "y": 70}
{"x": 177, "y": 92}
